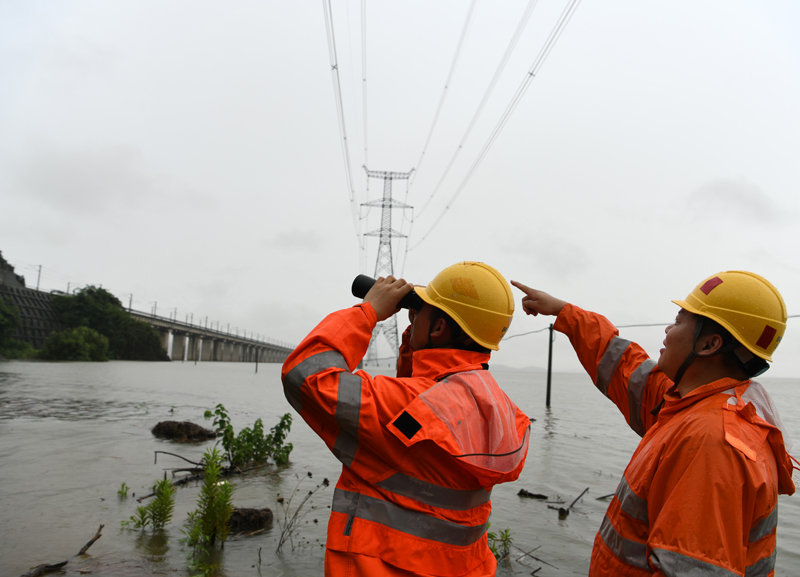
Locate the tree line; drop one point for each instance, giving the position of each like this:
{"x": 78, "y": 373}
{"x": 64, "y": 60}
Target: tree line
{"x": 97, "y": 328}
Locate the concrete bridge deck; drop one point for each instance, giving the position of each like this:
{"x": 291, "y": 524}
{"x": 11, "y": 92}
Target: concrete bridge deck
{"x": 189, "y": 342}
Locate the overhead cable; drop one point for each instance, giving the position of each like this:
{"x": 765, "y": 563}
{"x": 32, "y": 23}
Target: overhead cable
{"x": 464, "y": 32}
{"x": 337, "y": 93}
{"x": 529, "y": 76}
{"x": 364, "y": 77}
{"x": 498, "y": 72}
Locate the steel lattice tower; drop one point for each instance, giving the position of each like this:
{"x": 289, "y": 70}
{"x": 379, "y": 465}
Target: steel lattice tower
{"x": 383, "y": 263}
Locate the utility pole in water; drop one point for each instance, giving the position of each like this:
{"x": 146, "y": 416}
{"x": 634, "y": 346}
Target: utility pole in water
{"x": 383, "y": 263}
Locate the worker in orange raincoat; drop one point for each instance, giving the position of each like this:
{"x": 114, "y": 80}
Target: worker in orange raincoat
{"x": 700, "y": 495}
{"x": 420, "y": 452}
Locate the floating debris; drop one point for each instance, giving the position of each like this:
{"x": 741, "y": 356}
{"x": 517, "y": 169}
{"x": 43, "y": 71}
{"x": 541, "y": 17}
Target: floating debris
{"x": 529, "y": 495}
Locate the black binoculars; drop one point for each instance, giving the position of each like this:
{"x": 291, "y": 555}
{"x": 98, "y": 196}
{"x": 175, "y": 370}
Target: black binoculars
{"x": 363, "y": 283}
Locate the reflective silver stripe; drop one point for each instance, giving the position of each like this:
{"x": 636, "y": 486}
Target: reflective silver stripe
{"x": 765, "y": 526}
{"x": 763, "y": 567}
{"x": 400, "y": 519}
{"x": 674, "y": 564}
{"x": 631, "y": 503}
{"x": 348, "y": 408}
{"x": 630, "y": 552}
{"x": 635, "y": 392}
{"x": 311, "y": 366}
{"x": 608, "y": 364}
{"x": 435, "y": 495}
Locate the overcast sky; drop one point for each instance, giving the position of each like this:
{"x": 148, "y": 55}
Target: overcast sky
{"x": 189, "y": 153}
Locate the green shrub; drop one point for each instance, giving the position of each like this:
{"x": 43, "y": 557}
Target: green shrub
{"x": 78, "y": 344}
{"x": 9, "y": 319}
{"x": 14, "y": 349}
{"x": 253, "y": 444}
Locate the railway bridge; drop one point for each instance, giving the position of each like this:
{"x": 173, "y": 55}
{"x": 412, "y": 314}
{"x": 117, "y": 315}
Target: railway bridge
{"x": 189, "y": 342}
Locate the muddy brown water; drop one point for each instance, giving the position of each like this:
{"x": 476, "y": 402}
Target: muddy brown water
{"x": 72, "y": 433}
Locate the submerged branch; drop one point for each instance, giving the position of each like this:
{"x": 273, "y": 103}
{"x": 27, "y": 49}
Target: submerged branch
{"x": 45, "y": 569}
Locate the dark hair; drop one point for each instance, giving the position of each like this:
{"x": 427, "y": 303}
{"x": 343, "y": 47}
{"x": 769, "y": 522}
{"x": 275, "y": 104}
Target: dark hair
{"x": 729, "y": 346}
{"x": 712, "y": 327}
{"x": 458, "y": 334}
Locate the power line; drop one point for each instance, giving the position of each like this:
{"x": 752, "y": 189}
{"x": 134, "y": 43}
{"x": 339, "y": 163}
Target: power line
{"x": 617, "y": 326}
{"x": 563, "y": 20}
{"x": 523, "y": 334}
{"x": 490, "y": 88}
{"x": 364, "y": 77}
{"x": 460, "y": 45}
{"x": 337, "y": 94}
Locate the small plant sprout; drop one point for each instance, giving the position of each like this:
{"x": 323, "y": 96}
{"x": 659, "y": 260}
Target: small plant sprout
{"x": 123, "y": 490}
{"x": 211, "y": 520}
{"x": 500, "y": 544}
{"x": 208, "y": 414}
{"x": 159, "y": 511}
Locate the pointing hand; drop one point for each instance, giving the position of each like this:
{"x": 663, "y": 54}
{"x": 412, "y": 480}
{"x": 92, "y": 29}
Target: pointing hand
{"x": 536, "y": 301}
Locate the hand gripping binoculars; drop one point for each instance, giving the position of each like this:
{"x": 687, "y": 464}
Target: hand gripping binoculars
{"x": 363, "y": 283}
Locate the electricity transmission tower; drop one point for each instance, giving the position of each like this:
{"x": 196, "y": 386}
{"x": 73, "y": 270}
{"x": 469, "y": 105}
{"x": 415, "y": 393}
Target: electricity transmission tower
{"x": 383, "y": 262}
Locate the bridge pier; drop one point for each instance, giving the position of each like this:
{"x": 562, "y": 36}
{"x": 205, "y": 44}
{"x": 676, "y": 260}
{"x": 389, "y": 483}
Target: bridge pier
{"x": 165, "y": 334}
{"x": 191, "y": 349}
{"x": 178, "y": 346}
{"x": 207, "y": 350}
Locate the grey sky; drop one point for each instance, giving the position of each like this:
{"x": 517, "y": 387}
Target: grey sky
{"x": 189, "y": 153}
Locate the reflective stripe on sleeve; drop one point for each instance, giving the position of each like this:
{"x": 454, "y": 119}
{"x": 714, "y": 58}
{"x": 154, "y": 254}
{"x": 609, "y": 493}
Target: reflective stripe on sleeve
{"x": 763, "y": 567}
{"x": 435, "y": 495}
{"x": 630, "y": 552}
{"x": 674, "y": 564}
{"x": 400, "y": 519}
{"x": 635, "y": 393}
{"x": 348, "y": 408}
{"x": 311, "y": 366}
{"x": 631, "y": 503}
{"x": 608, "y": 364}
{"x": 764, "y": 527}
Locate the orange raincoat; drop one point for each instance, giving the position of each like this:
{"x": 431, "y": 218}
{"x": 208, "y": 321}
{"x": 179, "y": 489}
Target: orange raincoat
{"x": 420, "y": 452}
{"x": 700, "y": 495}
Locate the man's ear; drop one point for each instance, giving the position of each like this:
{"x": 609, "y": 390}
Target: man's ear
{"x": 439, "y": 328}
{"x": 710, "y": 345}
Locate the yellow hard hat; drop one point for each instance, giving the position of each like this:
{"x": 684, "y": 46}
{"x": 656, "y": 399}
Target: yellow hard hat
{"x": 477, "y": 297}
{"x": 744, "y": 303}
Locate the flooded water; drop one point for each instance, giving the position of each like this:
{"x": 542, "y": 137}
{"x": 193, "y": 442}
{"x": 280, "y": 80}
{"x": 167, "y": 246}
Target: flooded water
{"x": 72, "y": 433}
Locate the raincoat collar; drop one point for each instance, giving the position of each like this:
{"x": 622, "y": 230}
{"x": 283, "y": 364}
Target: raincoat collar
{"x": 673, "y": 402}
{"x": 438, "y": 363}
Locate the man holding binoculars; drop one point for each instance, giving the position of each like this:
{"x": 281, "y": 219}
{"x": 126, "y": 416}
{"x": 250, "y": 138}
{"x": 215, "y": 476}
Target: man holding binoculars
{"x": 420, "y": 451}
